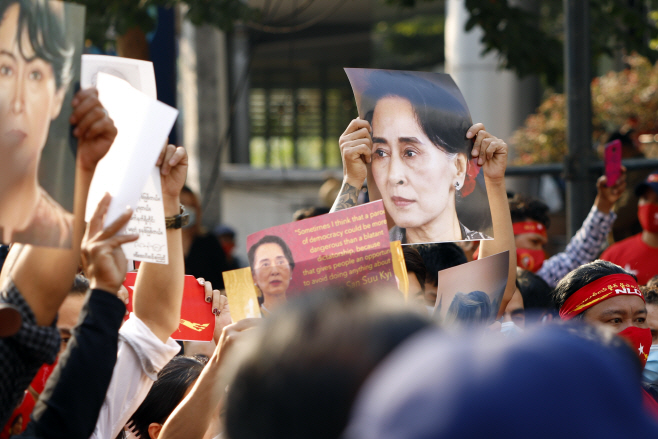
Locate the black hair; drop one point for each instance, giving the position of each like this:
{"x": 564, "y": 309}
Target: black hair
{"x": 473, "y": 308}
{"x": 309, "y": 360}
{"x": 438, "y": 257}
{"x": 650, "y": 295}
{"x": 581, "y": 276}
{"x": 166, "y": 393}
{"x": 653, "y": 282}
{"x": 415, "y": 264}
{"x": 625, "y": 139}
{"x": 525, "y": 208}
{"x": 439, "y": 111}
{"x": 47, "y": 37}
{"x": 80, "y": 285}
{"x": 535, "y": 291}
{"x": 310, "y": 212}
{"x": 271, "y": 239}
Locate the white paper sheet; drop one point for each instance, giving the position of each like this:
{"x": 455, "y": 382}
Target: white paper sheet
{"x": 143, "y": 125}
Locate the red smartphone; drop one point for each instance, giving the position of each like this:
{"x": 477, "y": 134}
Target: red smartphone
{"x": 612, "y": 159}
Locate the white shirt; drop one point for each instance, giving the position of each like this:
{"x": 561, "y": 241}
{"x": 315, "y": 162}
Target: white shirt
{"x": 140, "y": 357}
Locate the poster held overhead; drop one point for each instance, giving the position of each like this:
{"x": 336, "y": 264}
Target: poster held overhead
{"x": 40, "y": 48}
{"x": 145, "y": 124}
{"x": 421, "y": 162}
{"x": 471, "y": 293}
{"x": 149, "y": 212}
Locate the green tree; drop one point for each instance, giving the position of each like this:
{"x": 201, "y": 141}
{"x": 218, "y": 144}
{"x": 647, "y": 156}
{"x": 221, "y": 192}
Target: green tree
{"x": 530, "y": 37}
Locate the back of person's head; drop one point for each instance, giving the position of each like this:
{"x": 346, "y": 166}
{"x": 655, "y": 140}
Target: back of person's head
{"x": 473, "y": 308}
{"x": 567, "y": 381}
{"x": 308, "y": 360}
{"x": 524, "y": 208}
{"x": 537, "y": 294}
{"x": 650, "y": 294}
{"x": 415, "y": 264}
{"x": 309, "y": 212}
{"x": 438, "y": 257}
{"x": 582, "y": 276}
{"x": 167, "y": 392}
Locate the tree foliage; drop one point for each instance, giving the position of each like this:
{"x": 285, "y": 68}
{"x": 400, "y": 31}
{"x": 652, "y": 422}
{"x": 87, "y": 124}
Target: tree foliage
{"x": 621, "y": 101}
{"x": 530, "y": 40}
{"x": 108, "y": 18}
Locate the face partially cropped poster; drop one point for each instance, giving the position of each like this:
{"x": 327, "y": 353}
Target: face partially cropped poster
{"x": 346, "y": 248}
{"x": 421, "y": 159}
{"x": 470, "y": 294}
{"x": 40, "y": 50}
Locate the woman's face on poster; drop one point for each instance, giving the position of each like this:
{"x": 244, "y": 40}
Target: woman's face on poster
{"x": 29, "y": 98}
{"x": 271, "y": 270}
{"x": 415, "y": 177}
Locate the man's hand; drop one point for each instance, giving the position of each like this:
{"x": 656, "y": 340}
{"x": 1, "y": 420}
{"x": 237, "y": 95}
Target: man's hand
{"x": 93, "y": 128}
{"x": 606, "y": 197}
{"x": 173, "y": 170}
{"x": 219, "y": 307}
{"x": 102, "y": 258}
{"x": 355, "y": 150}
{"x": 490, "y": 151}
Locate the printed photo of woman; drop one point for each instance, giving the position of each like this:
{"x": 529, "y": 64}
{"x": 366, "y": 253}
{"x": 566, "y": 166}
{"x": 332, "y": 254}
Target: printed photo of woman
{"x": 36, "y": 71}
{"x": 421, "y": 163}
{"x": 271, "y": 265}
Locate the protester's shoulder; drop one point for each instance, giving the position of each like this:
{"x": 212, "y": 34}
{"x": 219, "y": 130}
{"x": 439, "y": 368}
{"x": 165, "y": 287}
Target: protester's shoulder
{"x": 632, "y": 242}
{"x": 51, "y": 224}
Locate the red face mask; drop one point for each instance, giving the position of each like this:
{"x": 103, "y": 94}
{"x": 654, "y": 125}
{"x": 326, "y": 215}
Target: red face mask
{"x": 641, "y": 340}
{"x": 530, "y": 260}
{"x": 648, "y": 216}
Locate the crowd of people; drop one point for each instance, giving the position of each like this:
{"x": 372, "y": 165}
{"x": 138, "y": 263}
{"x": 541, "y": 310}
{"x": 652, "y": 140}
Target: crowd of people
{"x": 568, "y": 349}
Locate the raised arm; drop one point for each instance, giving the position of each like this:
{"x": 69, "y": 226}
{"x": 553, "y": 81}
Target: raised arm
{"x": 355, "y": 150}
{"x": 44, "y": 275}
{"x": 159, "y": 288}
{"x": 73, "y": 397}
{"x": 190, "y": 420}
{"x": 492, "y": 156}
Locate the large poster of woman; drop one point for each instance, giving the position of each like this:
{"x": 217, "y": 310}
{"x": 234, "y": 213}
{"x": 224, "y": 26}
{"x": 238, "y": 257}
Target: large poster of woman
{"x": 421, "y": 164}
{"x": 40, "y": 51}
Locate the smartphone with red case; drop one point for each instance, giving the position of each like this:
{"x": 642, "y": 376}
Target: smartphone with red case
{"x": 612, "y": 160}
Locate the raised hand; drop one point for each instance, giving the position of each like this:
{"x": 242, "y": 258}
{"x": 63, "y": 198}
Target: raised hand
{"x": 94, "y": 129}
{"x": 355, "y": 151}
{"x": 606, "y": 197}
{"x": 219, "y": 308}
{"x": 102, "y": 258}
{"x": 173, "y": 170}
{"x": 491, "y": 152}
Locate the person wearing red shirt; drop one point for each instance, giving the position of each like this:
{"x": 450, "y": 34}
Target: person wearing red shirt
{"x": 639, "y": 253}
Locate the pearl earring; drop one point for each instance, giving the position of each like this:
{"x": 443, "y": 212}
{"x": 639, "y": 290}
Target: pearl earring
{"x": 457, "y": 185}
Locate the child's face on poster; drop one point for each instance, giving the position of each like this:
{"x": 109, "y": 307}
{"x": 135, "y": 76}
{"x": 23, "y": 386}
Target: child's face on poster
{"x": 29, "y": 98}
{"x": 415, "y": 177}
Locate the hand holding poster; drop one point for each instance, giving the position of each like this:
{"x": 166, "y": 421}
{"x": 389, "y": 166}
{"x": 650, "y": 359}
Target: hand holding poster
{"x": 421, "y": 164}
{"x": 471, "y": 293}
{"x": 40, "y": 48}
{"x": 349, "y": 247}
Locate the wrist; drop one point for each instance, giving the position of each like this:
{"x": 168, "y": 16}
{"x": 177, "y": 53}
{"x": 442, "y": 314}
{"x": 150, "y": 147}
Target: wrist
{"x": 105, "y": 286}
{"x": 354, "y": 182}
{"x": 171, "y": 205}
{"x": 602, "y": 205}
{"x": 498, "y": 182}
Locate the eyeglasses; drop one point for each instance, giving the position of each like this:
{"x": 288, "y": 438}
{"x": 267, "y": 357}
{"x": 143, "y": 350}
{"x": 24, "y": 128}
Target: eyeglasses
{"x": 268, "y": 267}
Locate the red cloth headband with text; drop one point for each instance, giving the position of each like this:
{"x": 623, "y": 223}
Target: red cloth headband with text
{"x": 595, "y": 292}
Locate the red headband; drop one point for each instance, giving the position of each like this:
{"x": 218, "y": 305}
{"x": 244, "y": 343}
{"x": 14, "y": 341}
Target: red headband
{"x": 529, "y": 227}
{"x": 596, "y": 292}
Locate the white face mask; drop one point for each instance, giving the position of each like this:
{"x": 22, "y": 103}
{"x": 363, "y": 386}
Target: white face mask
{"x": 510, "y": 329}
{"x": 650, "y": 374}
{"x": 430, "y": 310}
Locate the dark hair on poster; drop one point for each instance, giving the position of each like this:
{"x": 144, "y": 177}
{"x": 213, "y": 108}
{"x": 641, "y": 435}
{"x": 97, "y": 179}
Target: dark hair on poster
{"x": 443, "y": 117}
{"x": 271, "y": 239}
